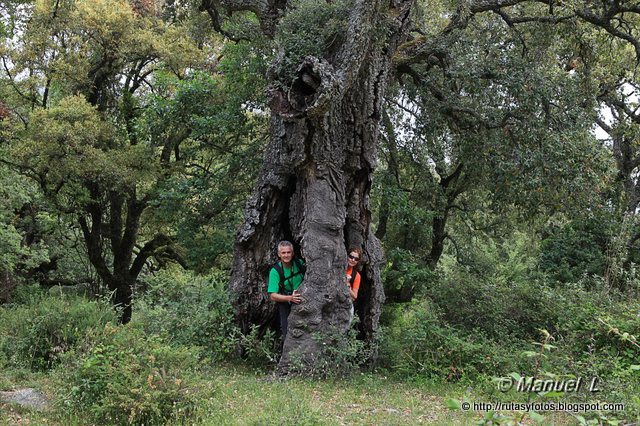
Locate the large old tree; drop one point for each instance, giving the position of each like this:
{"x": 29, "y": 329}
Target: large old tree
{"x": 328, "y": 82}
{"x": 314, "y": 186}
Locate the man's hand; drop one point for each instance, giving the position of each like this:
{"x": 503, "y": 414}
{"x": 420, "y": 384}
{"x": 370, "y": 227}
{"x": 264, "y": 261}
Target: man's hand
{"x": 296, "y": 297}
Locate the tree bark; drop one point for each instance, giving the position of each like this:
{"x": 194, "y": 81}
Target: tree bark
{"x": 314, "y": 188}
{"x": 7, "y": 286}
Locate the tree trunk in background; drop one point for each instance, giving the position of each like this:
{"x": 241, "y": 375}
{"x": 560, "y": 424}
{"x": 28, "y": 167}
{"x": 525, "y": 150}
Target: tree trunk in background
{"x": 7, "y": 286}
{"x": 314, "y": 188}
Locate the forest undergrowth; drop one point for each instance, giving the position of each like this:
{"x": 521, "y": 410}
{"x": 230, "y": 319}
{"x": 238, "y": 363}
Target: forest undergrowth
{"x": 460, "y": 343}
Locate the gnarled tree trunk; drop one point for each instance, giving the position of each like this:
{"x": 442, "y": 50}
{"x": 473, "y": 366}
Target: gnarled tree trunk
{"x": 314, "y": 186}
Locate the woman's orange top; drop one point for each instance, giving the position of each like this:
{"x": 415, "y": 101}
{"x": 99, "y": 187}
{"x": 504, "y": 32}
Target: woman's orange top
{"x": 356, "y": 281}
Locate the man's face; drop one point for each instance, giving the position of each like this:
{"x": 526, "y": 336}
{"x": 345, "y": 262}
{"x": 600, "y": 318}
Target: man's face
{"x": 285, "y": 254}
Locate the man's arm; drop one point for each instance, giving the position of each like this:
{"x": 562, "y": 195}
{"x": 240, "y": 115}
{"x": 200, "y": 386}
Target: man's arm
{"x": 294, "y": 298}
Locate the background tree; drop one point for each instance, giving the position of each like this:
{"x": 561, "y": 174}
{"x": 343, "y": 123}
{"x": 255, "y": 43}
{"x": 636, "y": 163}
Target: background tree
{"x": 619, "y": 122}
{"x": 88, "y": 152}
{"x": 512, "y": 130}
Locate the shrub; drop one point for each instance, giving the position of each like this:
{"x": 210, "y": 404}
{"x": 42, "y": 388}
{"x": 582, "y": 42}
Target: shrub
{"x": 500, "y": 291}
{"x": 339, "y": 355}
{"x": 191, "y": 310}
{"x": 260, "y": 350}
{"x": 122, "y": 376}
{"x": 404, "y": 275}
{"x": 502, "y": 310}
{"x": 27, "y": 294}
{"x": 591, "y": 333}
{"x": 35, "y": 334}
{"x": 420, "y": 343}
{"x": 576, "y": 249}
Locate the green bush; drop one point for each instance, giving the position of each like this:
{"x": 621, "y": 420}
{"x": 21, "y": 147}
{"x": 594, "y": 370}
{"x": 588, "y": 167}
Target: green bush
{"x": 34, "y": 334}
{"x": 339, "y": 354}
{"x": 27, "y": 294}
{"x": 419, "y": 343}
{"x": 405, "y": 274}
{"x": 511, "y": 310}
{"x": 122, "y": 376}
{"x": 190, "y": 310}
{"x": 594, "y": 333}
{"x": 576, "y": 249}
{"x": 499, "y": 290}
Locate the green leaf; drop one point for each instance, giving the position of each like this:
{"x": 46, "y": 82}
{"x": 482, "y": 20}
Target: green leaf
{"x": 552, "y": 394}
{"x": 538, "y": 418}
{"x": 581, "y": 420}
{"x": 516, "y": 376}
{"x": 454, "y": 404}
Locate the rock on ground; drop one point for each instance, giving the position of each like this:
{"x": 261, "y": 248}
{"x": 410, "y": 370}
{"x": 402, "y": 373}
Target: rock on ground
{"x": 28, "y": 397}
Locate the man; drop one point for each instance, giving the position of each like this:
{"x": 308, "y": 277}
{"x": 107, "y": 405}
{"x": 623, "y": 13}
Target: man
{"x": 284, "y": 279}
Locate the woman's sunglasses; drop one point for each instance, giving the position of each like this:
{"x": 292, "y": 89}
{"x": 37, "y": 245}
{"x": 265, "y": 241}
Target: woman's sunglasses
{"x": 356, "y": 258}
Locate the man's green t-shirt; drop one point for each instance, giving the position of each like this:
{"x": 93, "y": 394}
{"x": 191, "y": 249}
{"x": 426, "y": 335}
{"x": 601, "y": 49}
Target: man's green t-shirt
{"x": 290, "y": 283}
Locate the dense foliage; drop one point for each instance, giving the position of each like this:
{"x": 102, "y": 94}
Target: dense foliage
{"x": 36, "y": 333}
{"x": 506, "y": 197}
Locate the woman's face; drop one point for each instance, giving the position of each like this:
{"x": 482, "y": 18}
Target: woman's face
{"x": 353, "y": 258}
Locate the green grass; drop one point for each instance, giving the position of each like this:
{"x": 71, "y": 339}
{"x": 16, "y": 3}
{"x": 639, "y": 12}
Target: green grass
{"x": 236, "y": 396}
{"x": 363, "y": 399}
{"x": 239, "y": 397}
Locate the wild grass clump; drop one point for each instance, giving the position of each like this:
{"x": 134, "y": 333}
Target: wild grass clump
{"x": 122, "y": 376}
{"x": 418, "y": 343}
{"x": 37, "y": 332}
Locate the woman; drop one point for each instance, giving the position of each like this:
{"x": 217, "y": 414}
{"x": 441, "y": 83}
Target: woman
{"x": 353, "y": 277}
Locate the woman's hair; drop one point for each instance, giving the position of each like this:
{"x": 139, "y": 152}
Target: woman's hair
{"x": 356, "y": 250}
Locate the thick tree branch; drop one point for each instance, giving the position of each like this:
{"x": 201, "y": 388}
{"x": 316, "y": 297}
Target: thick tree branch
{"x": 216, "y": 21}
{"x": 514, "y": 20}
{"x": 612, "y": 102}
{"x": 421, "y": 49}
{"x": 148, "y": 250}
{"x": 135, "y": 209}
{"x": 603, "y": 125}
{"x": 445, "y": 182}
{"x": 172, "y": 144}
{"x": 170, "y": 254}
{"x": 116, "y": 202}
{"x": 94, "y": 250}
{"x": 605, "y": 21}
{"x": 267, "y": 11}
